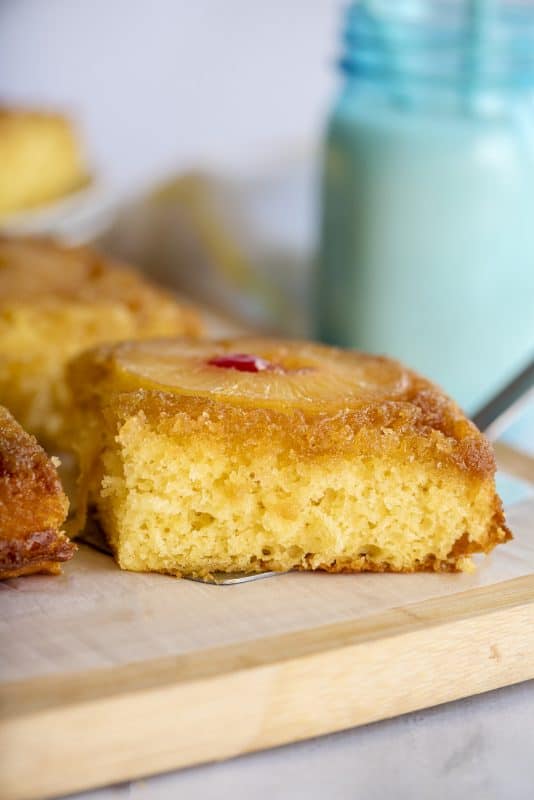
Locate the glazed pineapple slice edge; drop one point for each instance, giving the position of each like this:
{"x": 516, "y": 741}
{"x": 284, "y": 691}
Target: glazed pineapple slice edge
{"x": 267, "y": 372}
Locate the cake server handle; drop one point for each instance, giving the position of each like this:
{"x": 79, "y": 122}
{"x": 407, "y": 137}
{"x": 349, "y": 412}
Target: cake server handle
{"x": 497, "y": 414}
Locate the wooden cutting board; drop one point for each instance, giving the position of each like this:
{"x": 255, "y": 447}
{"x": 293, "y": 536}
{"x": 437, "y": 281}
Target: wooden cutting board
{"x": 108, "y": 676}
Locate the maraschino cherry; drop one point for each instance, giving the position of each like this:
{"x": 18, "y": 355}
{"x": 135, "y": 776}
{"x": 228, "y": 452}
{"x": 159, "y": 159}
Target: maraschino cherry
{"x": 244, "y": 362}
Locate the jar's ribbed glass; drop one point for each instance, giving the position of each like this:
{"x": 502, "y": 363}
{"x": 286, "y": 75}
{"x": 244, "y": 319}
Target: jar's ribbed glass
{"x": 450, "y": 43}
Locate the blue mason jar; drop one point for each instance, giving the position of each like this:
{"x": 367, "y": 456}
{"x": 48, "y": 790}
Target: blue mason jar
{"x": 427, "y": 250}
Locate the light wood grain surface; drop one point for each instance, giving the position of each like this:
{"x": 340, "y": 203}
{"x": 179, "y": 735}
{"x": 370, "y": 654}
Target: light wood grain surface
{"x": 477, "y": 748}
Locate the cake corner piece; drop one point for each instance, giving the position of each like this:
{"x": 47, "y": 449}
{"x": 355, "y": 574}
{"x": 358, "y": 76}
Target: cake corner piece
{"x": 259, "y": 454}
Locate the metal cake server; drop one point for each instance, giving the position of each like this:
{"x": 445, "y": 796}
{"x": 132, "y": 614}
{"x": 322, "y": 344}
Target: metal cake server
{"x": 492, "y": 418}
{"x": 498, "y": 413}
{"x": 94, "y": 536}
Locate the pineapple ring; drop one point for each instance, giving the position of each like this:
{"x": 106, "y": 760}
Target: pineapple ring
{"x": 302, "y": 374}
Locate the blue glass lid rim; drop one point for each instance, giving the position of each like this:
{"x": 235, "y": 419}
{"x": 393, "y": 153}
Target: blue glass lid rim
{"x": 381, "y": 41}
{"x": 502, "y": 38}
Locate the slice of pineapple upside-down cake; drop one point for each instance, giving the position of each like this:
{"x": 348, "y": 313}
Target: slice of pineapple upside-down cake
{"x": 260, "y": 454}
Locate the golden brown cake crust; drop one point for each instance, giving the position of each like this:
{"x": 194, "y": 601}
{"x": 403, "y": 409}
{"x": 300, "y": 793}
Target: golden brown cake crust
{"x": 41, "y": 271}
{"x": 33, "y": 506}
{"x": 406, "y": 405}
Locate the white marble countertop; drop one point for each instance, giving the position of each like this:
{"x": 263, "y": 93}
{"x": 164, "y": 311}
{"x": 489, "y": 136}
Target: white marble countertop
{"x": 481, "y": 748}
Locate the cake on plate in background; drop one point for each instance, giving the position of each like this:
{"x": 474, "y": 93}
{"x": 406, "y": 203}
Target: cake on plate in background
{"x": 40, "y": 159}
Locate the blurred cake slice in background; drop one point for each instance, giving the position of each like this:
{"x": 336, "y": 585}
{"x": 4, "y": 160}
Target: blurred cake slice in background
{"x": 46, "y": 185}
{"x": 40, "y": 159}
{"x": 33, "y": 506}
{"x": 56, "y": 301}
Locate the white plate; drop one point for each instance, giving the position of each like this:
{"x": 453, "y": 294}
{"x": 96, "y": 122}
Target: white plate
{"x": 77, "y": 218}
